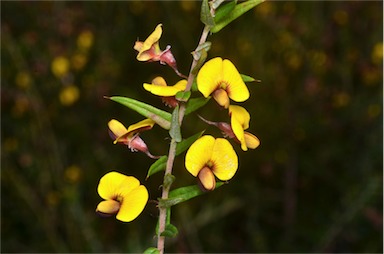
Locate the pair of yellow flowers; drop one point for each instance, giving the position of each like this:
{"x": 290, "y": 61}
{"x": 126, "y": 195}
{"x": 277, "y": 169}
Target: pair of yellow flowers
{"x": 207, "y": 157}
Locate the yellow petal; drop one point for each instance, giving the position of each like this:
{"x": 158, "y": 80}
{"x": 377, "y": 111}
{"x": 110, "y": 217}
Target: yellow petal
{"x": 132, "y": 204}
{"x": 113, "y": 184}
{"x": 159, "y": 81}
{"x": 224, "y": 159}
{"x": 198, "y": 154}
{"x": 236, "y": 88}
{"x": 152, "y": 39}
{"x": 241, "y": 114}
{"x": 138, "y": 45}
{"x": 221, "y": 97}
{"x": 143, "y": 125}
{"x": 210, "y": 76}
{"x": 238, "y": 130}
{"x": 251, "y": 140}
{"x": 108, "y": 207}
{"x": 181, "y": 85}
{"x": 166, "y": 90}
{"x": 207, "y": 179}
{"x": 117, "y": 128}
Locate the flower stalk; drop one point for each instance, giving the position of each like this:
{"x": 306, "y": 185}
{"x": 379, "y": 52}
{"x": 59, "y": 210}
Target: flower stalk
{"x": 172, "y": 149}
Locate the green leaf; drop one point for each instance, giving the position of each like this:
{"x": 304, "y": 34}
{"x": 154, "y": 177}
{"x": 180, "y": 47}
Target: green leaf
{"x": 216, "y": 3}
{"x": 183, "y": 194}
{"x": 157, "y": 166}
{"x": 223, "y": 11}
{"x": 205, "y": 14}
{"x": 183, "y": 96}
{"x": 197, "y": 53}
{"x": 195, "y": 103}
{"x": 168, "y": 180}
{"x": 151, "y": 250}
{"x": 161, "y": 163}
{"x": 203, "y": 56}
{"x": 247, "y": 78}
{"x": 194, "y": 86}
{"x": 186, "y": 143}
{"x": 170, "y": 231}
{"x": 174, "y": 132}
{"x": 239, "y": 10}
{"x": 161, "y": 117}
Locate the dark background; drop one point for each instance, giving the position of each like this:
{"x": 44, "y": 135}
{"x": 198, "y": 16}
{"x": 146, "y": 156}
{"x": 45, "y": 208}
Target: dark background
{"x": 314, "y": 184}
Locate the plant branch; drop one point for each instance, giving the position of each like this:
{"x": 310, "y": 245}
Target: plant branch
{"x": 172, "y": 152}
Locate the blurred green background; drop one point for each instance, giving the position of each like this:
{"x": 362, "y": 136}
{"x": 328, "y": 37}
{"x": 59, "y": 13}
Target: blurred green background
{"x": 314, "y": 184}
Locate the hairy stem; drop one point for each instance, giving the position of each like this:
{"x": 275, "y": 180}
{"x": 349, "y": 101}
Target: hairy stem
{"x": 172, "y": 153}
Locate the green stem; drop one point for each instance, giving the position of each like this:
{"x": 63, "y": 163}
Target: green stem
{"x": 172, "y": 152}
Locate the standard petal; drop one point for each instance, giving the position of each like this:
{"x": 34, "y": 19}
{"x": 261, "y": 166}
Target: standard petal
{"x": 114, "y": 183}
{"x": 251, "y": 140}
{"x": 241, "y": 114}
{"x": 132, "y": 204}
{"x": 236, "y": 88}
{"x": 108, "y": 207}
{"x": 238, "y": 130}
{"x": 210, "y": 76}
{"x": 199, "y": 154}
{"x": 224, "y": 159}
{"x": 116, "y": 128}
{"x": 152, "y": 39}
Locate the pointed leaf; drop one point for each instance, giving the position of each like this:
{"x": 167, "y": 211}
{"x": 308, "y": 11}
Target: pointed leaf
{"x": 174, "y": 132}
{"x": 161, "y": 163}
{"x": 151, "y": 250}
{"x": 186, "y": 143}
{"x": 161, "y": 117}
{"x": 168, "y": 180}
{"x": 246, "y": 78}
{"x": 205, "y": 46}
{"x": 216, "y": 3}
{"x": 183, "y": 194}
{"x": 239, "y": 10}
{"x": 170, "y": 231}
{"x": 223, "y": 11}
{"x": 203, "y": 56}
{"x": 194, "y": 86}
{"x": 158, "y": 165}
{"x": 195, "y": 103}
{"x": 205, "y": 14}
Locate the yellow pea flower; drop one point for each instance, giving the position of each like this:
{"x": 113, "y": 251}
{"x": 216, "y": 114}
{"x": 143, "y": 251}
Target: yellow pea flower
{"x": 239, "y": 122}
{"x": 159, "y": 87}
{"x": 208, "y": 157}
{"x": 123, "y": 195}
{"x": 221, "y": 79}
{"x": 150, "y": 51}
{"x": 130, "y": 137}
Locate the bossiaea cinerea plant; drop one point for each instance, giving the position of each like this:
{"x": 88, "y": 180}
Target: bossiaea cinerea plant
{"x": 212, "y": 160}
